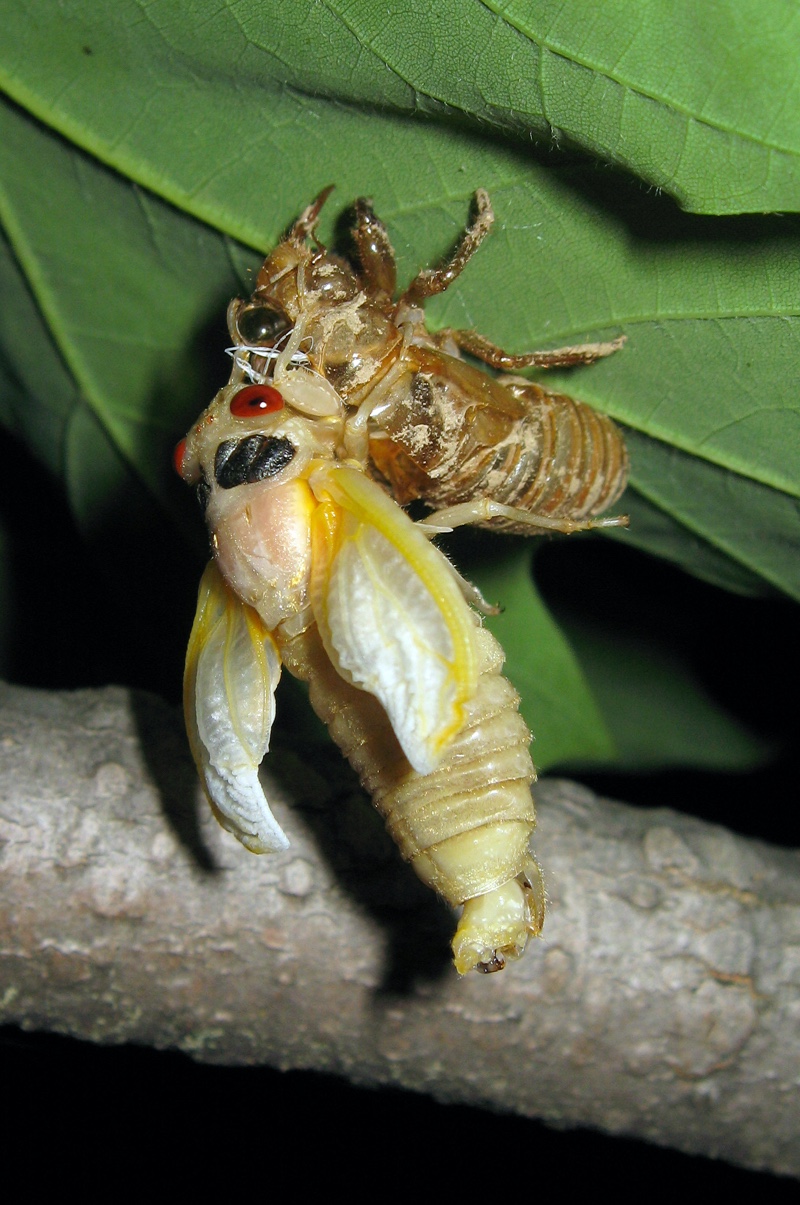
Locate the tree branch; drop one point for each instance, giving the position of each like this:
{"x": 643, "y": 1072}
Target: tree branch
{"x": 661, "y": 1004}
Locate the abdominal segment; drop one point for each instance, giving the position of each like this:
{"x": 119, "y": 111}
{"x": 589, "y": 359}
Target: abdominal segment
{"x": 466, "y": 826}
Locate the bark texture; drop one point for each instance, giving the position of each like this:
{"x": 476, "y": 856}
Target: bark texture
{"x": 663, "y": 1002}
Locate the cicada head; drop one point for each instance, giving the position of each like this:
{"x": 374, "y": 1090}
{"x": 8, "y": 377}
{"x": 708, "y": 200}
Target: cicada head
{"x": 248, "y": 457}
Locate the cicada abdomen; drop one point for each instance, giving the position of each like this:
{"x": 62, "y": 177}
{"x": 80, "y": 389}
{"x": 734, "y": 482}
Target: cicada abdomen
{"x": 448, "y": 434}
{"x": 466, "y": 825}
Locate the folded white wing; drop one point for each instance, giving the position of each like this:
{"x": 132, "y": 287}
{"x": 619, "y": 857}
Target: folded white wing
{"x": 390, "y": 612}
{"x": 232, "y": 669}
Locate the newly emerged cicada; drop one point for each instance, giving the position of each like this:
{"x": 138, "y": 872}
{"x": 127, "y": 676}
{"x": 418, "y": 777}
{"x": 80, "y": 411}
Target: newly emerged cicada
{"x": 342, "y": 407}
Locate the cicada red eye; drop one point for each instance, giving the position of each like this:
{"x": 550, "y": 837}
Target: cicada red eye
{"x": 178, "y": 456}
{"x": 255, "y": 400}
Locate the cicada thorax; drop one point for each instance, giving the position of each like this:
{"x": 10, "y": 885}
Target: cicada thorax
{"x": 248, "y": 457}
{"x": 466, "y": 826}
{"x": 445, "y": 432}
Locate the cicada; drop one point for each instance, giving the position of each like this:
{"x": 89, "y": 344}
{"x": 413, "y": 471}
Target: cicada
{"x": 341, "y": 408}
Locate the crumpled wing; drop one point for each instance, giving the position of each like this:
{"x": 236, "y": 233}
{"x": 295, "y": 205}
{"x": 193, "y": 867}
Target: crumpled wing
{"x": 390, "y": 612}
{"x": 232, "y": 669}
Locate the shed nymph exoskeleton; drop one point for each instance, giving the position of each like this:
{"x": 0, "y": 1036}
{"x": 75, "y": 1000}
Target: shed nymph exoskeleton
{"x": 342, "y": 407}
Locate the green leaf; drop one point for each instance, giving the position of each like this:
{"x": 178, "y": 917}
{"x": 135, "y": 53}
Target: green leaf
{"x": 701, "y": 100}
{"x": 659, "y": 533}
{"x": 37, "y": 393}
{"x": 232, "y": 116}
{"x": 716, "y": 382}
{"x": 757, "y": 527}
{"x": 556, "y": 700}
{"x": 657, "y": 710}
{"x": 123, "y": 283}
{"x": 596, "y": 692}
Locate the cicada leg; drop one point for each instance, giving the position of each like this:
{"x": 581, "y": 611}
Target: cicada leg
{"x": 431, "y": 281}
{"x": 480, "y": 510}
{"x": 560, "y": 357}
{"x": 375, "y": 252}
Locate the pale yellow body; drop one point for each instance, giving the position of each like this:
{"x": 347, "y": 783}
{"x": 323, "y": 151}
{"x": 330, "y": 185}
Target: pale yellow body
{"x": 466, "y": 826}
{"x": 447, "y": 765}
